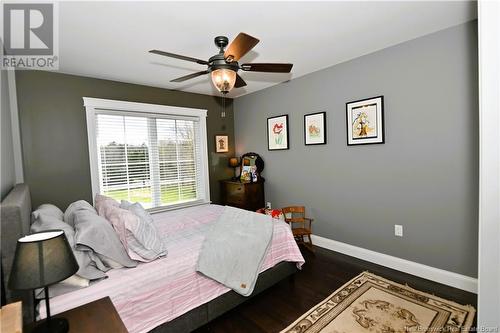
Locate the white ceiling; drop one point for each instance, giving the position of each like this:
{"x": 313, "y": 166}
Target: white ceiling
{"x": 110, "y": 40}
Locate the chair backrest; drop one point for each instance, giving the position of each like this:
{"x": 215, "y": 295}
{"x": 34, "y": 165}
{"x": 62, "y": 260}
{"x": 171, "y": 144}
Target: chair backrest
{"x": 294, "y": 214}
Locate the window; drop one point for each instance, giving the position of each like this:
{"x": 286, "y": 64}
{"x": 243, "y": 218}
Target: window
{"x": 152, "y": 154}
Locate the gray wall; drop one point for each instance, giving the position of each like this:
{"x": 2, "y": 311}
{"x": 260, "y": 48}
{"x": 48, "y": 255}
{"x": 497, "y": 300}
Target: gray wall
{"x": 424, "y": 177}
{"x": 7, "y": 176}
{"x": 54, "y": 132}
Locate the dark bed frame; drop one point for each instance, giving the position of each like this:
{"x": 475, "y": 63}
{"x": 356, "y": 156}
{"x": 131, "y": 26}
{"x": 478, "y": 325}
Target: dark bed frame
{"x": 209, "y": 311}
{"x": 15, "y": 223}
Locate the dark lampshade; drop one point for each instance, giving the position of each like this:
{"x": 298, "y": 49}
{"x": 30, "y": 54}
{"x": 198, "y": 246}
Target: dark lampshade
{"x": 42, "y": 259}
{"x": 233, "y": 162}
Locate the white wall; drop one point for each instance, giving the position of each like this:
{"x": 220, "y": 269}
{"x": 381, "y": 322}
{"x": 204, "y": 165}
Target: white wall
{"x": 424, "y": 177}
{"x": 489, "y": 164}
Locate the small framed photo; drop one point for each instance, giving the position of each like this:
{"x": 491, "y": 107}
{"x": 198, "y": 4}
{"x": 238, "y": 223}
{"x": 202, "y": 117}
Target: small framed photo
{"x": 277, "y": 133}
{"x": 221, "y": 144}
{"x": 365, "y": 121}
{"x": 315, "y": 129}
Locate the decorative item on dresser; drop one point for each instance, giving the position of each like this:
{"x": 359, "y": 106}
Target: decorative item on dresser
{"x": 248, "y": 196}
{"x": 251, "y": 167}
{"x": 234, "y": 163}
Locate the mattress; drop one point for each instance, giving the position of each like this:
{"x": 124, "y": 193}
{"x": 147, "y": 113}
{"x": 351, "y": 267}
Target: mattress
{"x": 157, "y": 292}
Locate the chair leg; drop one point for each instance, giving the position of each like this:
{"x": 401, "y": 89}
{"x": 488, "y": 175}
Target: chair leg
{"x": 310, "y": 244}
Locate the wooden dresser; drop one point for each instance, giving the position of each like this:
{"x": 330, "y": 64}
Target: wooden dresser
{"x": 249, "y": 196}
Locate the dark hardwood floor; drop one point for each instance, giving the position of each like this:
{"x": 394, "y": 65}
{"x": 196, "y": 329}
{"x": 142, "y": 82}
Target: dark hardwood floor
{"x": 321, "y": 275}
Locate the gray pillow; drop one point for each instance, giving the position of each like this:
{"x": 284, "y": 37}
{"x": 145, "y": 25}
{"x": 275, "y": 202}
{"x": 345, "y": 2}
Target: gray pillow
{"x": 49, "y": 210}
{"x": 74, "y": 207}
{"x": 96, "y": 233}
{"x": 137, "y": 210}
{"x": 87, "y": 267}
{"x": 125, "y": 204}
{"x": 45, "y": 222}
{"x": 144, "y": 239}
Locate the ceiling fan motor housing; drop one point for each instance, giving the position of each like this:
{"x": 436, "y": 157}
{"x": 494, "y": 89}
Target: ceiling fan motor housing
{"x": 218, "y": 61}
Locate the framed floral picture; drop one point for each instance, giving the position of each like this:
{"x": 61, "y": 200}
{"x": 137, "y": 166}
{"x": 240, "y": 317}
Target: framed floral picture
{"x": 277, "y": 133}
{"x": 221, "y": 144}
{"x": 365, "y": 121}
{"x": 315, "y": 129}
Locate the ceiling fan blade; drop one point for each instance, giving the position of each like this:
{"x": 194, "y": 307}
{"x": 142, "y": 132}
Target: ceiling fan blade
{"x": 178, "y": 56}
{"x": 271, "y": 68}
{"x": 239, "y": 82}
{"x": 239, "y": 47}
{"x": 190, "y": 76}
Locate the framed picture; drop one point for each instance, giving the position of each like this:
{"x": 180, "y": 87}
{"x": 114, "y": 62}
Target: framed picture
{"x": 277, "y": 133}
{"x": 365, "y": 121}
{"x": 315, "y": 128}
{"x": 221, "y": 144}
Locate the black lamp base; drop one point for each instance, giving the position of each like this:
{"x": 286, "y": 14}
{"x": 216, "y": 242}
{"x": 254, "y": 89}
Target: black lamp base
{"x": 54, "y": 325}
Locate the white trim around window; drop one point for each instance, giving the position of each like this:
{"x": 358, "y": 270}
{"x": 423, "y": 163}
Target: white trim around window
{"x": 96, "y": 106}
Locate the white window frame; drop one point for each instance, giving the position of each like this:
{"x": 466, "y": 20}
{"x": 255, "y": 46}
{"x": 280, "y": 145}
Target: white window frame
{"x": 93, "y": 105}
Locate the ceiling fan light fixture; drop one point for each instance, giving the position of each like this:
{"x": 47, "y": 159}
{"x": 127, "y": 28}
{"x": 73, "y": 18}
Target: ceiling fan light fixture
{"x": 223, "y": 79}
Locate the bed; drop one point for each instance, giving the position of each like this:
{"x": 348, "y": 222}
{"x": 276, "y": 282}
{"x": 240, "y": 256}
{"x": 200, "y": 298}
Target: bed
{"x": 168, "y": 295}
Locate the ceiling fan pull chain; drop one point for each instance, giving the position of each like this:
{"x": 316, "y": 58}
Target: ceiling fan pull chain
{"x": 223, "y": 112}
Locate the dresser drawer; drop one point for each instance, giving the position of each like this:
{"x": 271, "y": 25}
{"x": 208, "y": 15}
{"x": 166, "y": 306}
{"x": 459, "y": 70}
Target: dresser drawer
{"x": 243, "y": 195}
{"x": 235, "y": 190}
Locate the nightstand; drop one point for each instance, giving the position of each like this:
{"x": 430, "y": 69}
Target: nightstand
{"x": 97, "y": 316}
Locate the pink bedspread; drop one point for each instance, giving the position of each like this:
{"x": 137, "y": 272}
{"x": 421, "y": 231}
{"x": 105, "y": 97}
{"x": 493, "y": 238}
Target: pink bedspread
{"x": 157, "y": 292}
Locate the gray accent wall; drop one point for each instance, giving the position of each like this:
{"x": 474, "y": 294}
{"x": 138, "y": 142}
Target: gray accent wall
{"x": 425, "y": 177}
{"x": 54, "y": 133}
{"x": 7, "y": 167}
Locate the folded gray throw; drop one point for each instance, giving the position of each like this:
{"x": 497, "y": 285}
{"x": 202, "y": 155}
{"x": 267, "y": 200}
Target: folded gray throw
{"x": 235, "y": 247}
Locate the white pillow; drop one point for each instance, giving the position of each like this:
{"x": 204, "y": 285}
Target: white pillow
{"x": 48, "y": 210}
{"x": 76, "y": 281}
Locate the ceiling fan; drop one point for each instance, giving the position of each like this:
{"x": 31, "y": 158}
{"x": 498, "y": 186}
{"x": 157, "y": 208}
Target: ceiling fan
{"x": 223, "y": 67}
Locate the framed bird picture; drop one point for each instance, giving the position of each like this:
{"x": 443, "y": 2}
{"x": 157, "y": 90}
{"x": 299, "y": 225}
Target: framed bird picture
{"x": 277, "y": 133}
{"x": 315, "y": 128}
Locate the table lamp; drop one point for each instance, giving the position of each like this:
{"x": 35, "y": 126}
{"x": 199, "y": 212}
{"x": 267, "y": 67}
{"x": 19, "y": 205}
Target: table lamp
{"x": 42, "y": 259}
{"x": 234, "y": 163}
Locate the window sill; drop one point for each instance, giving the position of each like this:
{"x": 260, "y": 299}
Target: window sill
{"x": 178, "y": 206}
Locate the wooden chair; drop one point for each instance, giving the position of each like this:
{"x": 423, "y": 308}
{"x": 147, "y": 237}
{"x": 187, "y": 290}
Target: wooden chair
{"x": 300, "y": 224}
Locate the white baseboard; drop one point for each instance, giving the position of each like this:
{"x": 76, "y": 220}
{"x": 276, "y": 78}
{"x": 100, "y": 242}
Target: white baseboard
{"x": 427, "y": 272}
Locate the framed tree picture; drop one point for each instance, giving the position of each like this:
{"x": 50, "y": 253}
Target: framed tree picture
{"x": 277, "y": 133}
{"x": 221, "y": 144}
{"x": 315, "y": 128}
{"x": 365, "y": 121}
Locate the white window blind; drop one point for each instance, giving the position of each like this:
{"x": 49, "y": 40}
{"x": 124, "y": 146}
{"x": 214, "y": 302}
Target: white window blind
{"x": 154, "y": 159}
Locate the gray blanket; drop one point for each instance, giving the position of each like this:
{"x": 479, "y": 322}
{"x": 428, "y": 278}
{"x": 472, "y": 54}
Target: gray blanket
{"x": 95, "y": 235}
{"x": 235, "y": 247}
{"x": 86, "y": 269}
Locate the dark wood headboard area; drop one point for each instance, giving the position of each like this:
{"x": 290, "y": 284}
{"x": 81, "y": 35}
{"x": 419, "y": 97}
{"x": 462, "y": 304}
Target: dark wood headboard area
{"x": 15, "y": 221}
